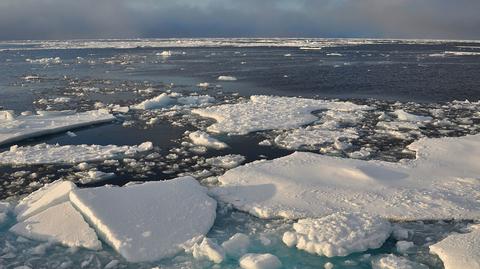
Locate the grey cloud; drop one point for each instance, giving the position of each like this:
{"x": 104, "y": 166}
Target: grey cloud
{"x": 63, "y": 19}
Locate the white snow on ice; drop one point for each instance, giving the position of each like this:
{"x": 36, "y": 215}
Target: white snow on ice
{"x": 268, "y": 113}
{"x": 47, "y": 154}
{"x": 260, "y": 261}
{"x": 395, "y": 262}
{"x": 200, "y": 138}
{"x": 441, "y": 183}
{"x": 459, "y": 251}
{"x": 138, "y": 221}
{"x": 338, "y": 234}
{"x": 228, "y": 161}
{"x": 22, "y": 127}
{"x": 60, "y": 223}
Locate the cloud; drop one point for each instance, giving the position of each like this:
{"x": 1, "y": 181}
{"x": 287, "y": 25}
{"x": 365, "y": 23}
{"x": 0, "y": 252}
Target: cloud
{"x": 63, "y": 19}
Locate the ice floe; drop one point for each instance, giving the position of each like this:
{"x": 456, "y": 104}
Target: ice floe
{"x": 46, "y": 154}
{"x": 200, "y": 138}
{"x": 138, "y": 221}
{"x": 45, "y": 197}
{"x": 268, "y": 113}
{"x": 338, "y": 234}
{"x": 227, "y": 78}
{"x": 441, "y": 183}
{"x": 313, "y": 135}
{"x": 22, "y": 127}
{"x": 166, "y": 100}
{"x": 396, "y": 262}
{"x": 260, "y": 261}
{"x": 237, "y": 245}
{"x": 209, "y": 250}
{"x": 459, "y": 251}
{"x": 228, "y": 161}
{"x": 60, "y": 223}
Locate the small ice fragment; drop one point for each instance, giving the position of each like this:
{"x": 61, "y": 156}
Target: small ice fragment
{"x": 260, "y": 261}
{"x": 237, "y": 245}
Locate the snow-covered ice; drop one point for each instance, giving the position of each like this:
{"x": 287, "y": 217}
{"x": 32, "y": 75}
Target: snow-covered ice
{"x": 200, "y": 138}
{"x": 441, "y": 183}
{"x": 237, "y": 245}
{"x": 260, "y": 261}
{"x": 149, "y": 221}
{"x": 228, "y": 161}
{"x": 166, "y": 100}
{"x": 227, "y": 78}
{"x": 396, "y": 262}
{"x": 45, "y": 197}
{"x": 338, "y": 234}
{"x": 405, "y": 116}
{"x": 60, "y": 223}
{"x": 208, "y": 250}
{"x": 459, "y": 251}
{"x": 46, "y": 154}
{"x": 268, "y": 113}
{"x": 22, "y": 127}
{"x": 311, "y": 136}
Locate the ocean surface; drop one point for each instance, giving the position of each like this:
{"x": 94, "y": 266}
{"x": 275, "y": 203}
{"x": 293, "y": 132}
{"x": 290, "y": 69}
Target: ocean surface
{"x": 418, "y": 76}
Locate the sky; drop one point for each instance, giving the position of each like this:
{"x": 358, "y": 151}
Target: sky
{"x": 77, "y": 19}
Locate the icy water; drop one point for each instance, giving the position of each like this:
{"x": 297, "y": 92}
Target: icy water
{"x": 419, "y": 77}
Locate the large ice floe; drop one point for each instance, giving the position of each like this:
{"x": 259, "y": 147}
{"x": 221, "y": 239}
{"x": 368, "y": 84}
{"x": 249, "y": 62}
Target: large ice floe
{"x": 339, "y": 234}
{"x": 16, "y": 128}
{"x": 138, "y": 221}
{"x": 459, "y": 251}
{"x": 268, "y": 113}
{"x": 441, "y": 183}
{"x": 135, "y": 220}
{"x": 71, "y": 154}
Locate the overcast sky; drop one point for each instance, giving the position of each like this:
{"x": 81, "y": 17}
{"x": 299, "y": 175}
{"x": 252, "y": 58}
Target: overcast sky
{"x": 68, "y": 19}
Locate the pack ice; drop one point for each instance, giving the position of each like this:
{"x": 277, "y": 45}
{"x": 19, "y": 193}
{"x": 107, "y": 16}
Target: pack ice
{"x": 16, "y": 128}
{"x": 441, "y": 183}
{"x": 47, "y": 154}
{"x": 142, "y": 222}
{"x": 268, "y": 113}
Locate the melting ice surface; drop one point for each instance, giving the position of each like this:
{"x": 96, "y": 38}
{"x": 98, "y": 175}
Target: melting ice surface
{"x": 385, "y": 176}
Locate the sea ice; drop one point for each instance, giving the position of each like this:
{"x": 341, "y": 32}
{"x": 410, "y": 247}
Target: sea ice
{"x": 260, "y": 261}
{"x": 227, "y": 78}
{"x": 200, "y": 138}
{"x": 149, "y": 221}
{"x": 45, "y": 197}
{"x": 237, "y": 245}
{"x": 441, "y": 183}
{"x": 160, "y": 101}
{"x": 209, "y": 250}
{"x": 338, "y": 234}
{"x": 228, "y": 161}
{"x": 312, "y": 136}
{"x": 22, "y": 127}
{"x": 165, "y": 100}
{"x": 268, "y": 113}
{"x": 46, "y": 154}
{"x": 395, "y": 262}
{"x": 459, "y": 251}
{"x": 60, "y": 223}
{"x": 405, "y": 116}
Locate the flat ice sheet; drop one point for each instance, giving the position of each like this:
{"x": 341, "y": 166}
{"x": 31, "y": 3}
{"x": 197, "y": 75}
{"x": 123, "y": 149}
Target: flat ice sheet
{"x": 149, "y": 221}
{"x": 459, "y": 251}
{"x": 23, "y": 127}
{"x": 48, "y": 154}
{"x": 60, "y": 223}
{"x": 442, "y": 183}
{"x": 268, "y": 113}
